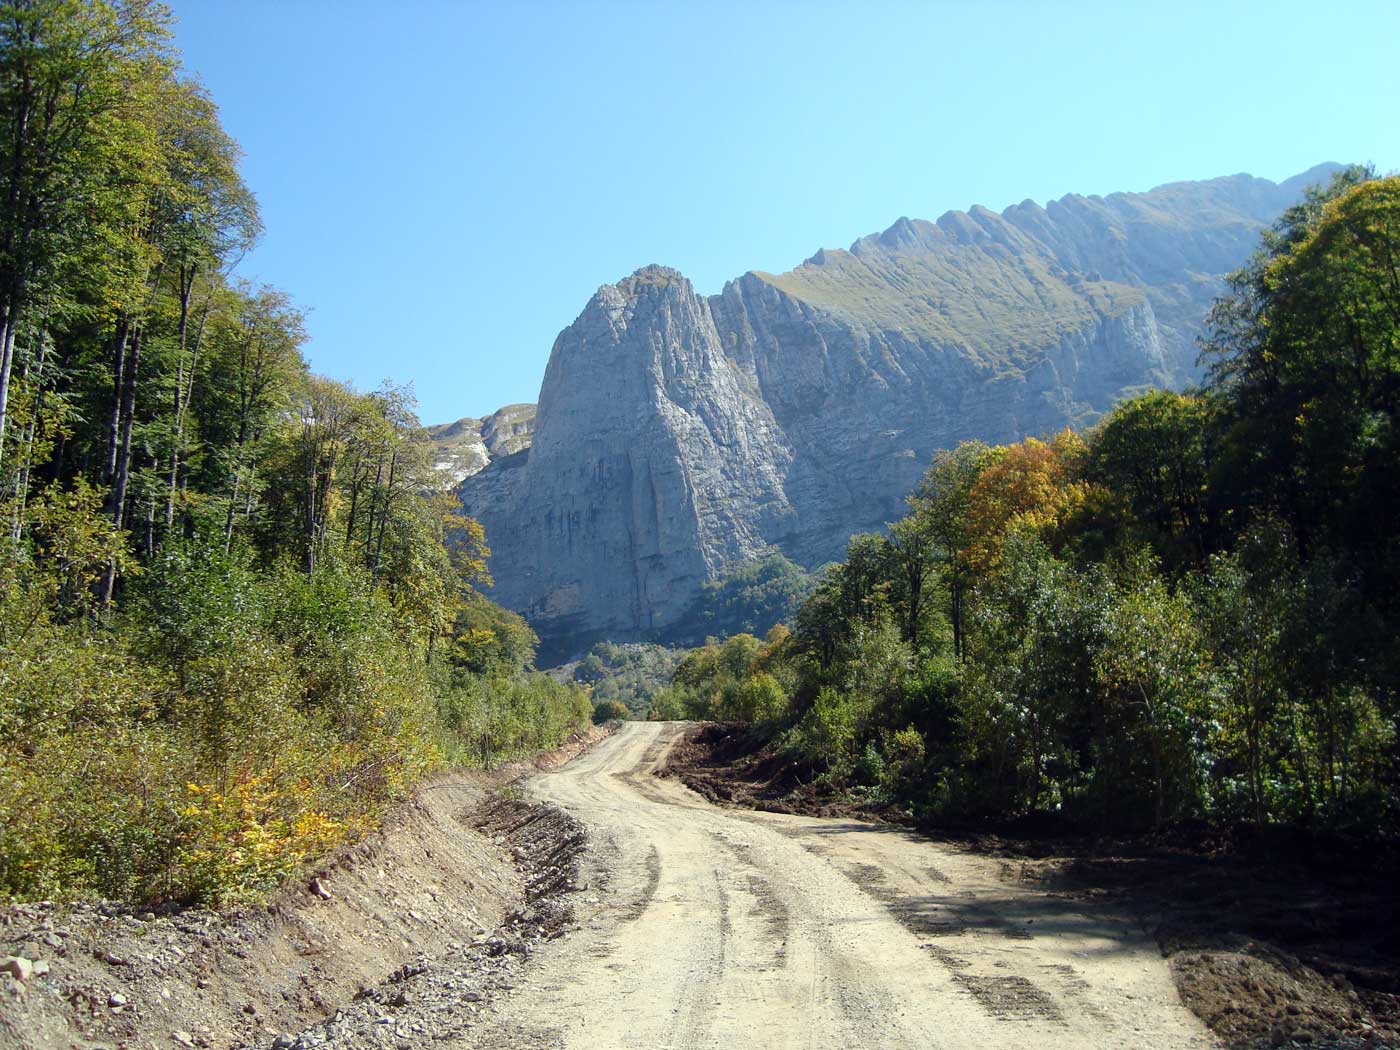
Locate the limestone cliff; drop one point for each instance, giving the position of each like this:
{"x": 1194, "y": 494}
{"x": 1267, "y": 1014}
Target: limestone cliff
{"x": 677, "y": 435}
{"x": 654, "y": 464}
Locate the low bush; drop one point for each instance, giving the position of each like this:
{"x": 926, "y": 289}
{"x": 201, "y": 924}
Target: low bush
{"x": 610, "y": 710}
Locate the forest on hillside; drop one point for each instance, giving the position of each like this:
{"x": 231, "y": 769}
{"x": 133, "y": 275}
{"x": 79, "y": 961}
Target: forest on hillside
{"x": 1192, "y": 610}
{"x": 238, "y": 613}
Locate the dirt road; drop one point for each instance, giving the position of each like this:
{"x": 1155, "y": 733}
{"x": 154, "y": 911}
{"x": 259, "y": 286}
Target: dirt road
{"x": 705, "y": 928}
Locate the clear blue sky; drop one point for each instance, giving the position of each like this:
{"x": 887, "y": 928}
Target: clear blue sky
{"x": 445, "y": 184}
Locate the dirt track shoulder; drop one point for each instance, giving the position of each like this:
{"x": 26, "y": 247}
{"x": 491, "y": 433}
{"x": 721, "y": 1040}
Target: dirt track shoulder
{"x": 453, "y": 879}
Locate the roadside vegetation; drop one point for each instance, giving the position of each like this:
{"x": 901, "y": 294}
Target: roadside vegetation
{"x": 752, "y": 598}
{"x": 1189, "y": 611}
{"x": 623, "y": 679}
{"x": 237, "y": 609}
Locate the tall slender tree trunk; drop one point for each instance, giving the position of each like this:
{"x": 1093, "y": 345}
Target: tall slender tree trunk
{"x": 312, "y": 455}
{"x": 114, "y": 418}
{"x": 7, "y": 359}
{"x": 31, "y": 106}
{"x": 184, "y": 388}
{"x": 15, "y": 250}
{"x": 232, "y": 504}
{"x": 128, "y": 413}
{"x": 1255, "y": 759}
{"x": 957, "y": 596}
{"x": 174, "y": 473}
{"x": 384, "y": 513}
{"x": 1303, "y": 763}
{"x": 60, "y": 449}
{"x": 356, "y": 485}
{"x": 374, "y": 493}
{"x": 1158, "y": 770}
{"x": 150, "y": 525}
{"x": 1035, "y": 763}
{"x": 27, "y": 444}
{"x": 250, "y": 492}
{"x": 127, "y": 407}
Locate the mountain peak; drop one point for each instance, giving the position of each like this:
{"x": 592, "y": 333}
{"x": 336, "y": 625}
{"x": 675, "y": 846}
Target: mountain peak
{"x": 651, "y": 277}
{"x": 1318, "y": 174}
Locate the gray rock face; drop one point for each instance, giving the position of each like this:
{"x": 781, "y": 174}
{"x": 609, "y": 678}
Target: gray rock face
{"x": 466, "y": 447}
{"x": 653, "y": 466}
{"x": 677, "y": 435}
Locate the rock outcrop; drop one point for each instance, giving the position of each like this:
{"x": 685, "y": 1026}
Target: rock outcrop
{"x": 678, "y": 435}
{"x": 653, "y": 466}
{"x": 467, "y": 446}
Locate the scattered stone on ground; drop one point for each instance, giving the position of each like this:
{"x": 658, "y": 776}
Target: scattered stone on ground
{"x": 441, "y": 997}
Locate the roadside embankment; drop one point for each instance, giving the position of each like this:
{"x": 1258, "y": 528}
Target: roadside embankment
{"x": 456, "y": 873}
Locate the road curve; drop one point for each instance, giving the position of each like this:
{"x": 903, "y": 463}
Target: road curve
{"x": 705, "y": 927}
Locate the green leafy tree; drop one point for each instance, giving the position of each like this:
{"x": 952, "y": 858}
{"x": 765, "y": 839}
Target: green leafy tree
{"x": 1152, "y": 452}
{"x": 631, "y": 674}
{"x": 1153, "y": 668}
{"x": 610, "y": 710}
{"x": 913, "y": 553}
{"x": 1027, "y": 671}
{"x": 754, "y": 596}
{"x": 1245, "y": 600}
{"x": 944, "y": 503}
{"x": 238, "y": 607}
{"x": 1305, "y": 358}
{"x": 69, "y": 73}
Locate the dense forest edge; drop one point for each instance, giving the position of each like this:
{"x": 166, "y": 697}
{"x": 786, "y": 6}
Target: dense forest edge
{"x": 238, "y": 611}
{"x": 1189, "y": 611}
{"x": 240, "y": 615}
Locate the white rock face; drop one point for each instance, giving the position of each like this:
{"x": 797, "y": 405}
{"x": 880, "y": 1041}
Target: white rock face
{"x": 678, "y": 435}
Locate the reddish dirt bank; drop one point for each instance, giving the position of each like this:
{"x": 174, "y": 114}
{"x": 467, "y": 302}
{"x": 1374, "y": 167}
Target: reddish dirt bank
{"x": 1272, "y": 939}
{"x": 457, "y": 876}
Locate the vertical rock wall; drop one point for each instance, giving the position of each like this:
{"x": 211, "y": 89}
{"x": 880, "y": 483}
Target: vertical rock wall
{"x": 678, "y": 435}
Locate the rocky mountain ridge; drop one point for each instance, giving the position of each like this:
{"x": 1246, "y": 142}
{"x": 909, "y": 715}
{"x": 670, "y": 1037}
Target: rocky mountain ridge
{"x": 467, "y": 446}
{"x": 678, "y": 435}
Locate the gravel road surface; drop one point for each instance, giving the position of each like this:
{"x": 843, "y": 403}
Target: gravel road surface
{"x": 703, "y": 927}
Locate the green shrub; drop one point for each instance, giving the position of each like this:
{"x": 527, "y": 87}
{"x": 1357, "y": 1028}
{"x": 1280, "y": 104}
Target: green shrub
{"x": 826, "y": 733}
{"x": 227, "y": 726}
{"x": 610, "y": 710}
{"x": 904, "y": 756}
{"x": 668, "y": 705}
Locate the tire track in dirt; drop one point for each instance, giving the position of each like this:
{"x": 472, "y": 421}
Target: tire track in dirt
{"x": 719, "y": 928}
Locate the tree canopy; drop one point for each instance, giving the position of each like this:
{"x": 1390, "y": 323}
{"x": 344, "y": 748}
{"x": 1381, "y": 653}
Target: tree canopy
{"x": 238, "y": 605}
{"x": 1190, "y": 610}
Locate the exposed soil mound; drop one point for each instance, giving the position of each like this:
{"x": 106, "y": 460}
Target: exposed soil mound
{"x": 1272, "y": 939}
{"x": 444, "y": 996}
{"x": 732, "y": 765}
